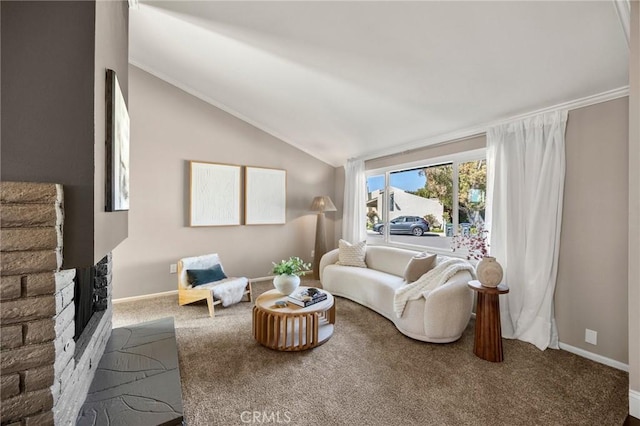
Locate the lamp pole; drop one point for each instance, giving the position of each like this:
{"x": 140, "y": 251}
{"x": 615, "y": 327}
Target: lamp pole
{"x": 321, "y": 245}
{"x": 320, "y": 204}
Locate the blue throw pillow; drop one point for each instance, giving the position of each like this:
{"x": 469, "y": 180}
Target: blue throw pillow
{"x": 198, "y": 277}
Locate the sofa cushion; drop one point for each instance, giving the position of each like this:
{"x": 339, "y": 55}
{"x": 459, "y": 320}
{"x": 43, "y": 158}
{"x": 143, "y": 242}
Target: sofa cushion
{"x": 391, "y": 260}
{"x": 419, "y": 265}
{"x": 352, "y": 254}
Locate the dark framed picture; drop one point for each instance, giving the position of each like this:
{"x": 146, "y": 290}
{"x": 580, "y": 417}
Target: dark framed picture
{"x": 117, "y": 147}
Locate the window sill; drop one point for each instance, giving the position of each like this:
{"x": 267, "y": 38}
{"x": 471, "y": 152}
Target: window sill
{"x": 415, "y": 247}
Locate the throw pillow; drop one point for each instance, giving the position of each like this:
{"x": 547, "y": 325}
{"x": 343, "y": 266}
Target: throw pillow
{"x": 419, "y": 265}
{"x": 352, "y": 254}
{"x": 197, "y": 277}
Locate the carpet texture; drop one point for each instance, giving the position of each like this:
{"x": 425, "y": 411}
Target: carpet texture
{"x": 370, "y": 374}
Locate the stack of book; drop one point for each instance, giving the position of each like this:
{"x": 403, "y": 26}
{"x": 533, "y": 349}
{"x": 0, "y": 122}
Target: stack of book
{"x": 304, "y": 299}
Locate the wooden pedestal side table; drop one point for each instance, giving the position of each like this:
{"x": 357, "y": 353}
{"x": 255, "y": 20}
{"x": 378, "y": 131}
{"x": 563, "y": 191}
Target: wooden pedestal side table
{"x": 293, "y": 328}
{"x": 488, "y": 334}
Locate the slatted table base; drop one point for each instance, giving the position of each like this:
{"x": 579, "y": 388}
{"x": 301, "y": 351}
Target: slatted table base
{"x": 292, "y": 331}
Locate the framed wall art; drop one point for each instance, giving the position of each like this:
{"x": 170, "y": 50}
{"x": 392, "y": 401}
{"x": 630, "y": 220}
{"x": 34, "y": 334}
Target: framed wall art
{"x": 117, "y": 147}
{"x": 214, "y": 194}
{"x": 265, "y": 196}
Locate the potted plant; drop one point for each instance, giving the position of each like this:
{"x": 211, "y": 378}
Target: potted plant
{"x": 488, "y": 270}
{"x": 288, "y": 274}
{"x": 474, "y": 242}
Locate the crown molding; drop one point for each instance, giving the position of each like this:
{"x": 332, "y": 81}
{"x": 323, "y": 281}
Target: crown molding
{"x": 481, "y": 129}
{"x": 395, "y": 149}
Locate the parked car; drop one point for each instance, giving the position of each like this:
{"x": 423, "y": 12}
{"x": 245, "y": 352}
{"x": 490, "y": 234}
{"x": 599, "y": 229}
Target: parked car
{"x": 414, "y": 225}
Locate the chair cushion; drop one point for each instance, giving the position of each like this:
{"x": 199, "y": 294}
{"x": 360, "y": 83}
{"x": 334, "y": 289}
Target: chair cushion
{"x": 198, "y": 277}
{"x": 352, "y": 254}
{"x": 196, "y": 262}
{"x": 419, "y": 265}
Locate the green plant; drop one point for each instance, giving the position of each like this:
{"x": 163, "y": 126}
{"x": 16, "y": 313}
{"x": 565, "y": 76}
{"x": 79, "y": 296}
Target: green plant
{"x": 293, "y": 266}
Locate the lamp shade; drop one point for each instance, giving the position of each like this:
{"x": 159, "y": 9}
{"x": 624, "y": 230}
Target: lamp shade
{"x": 322, "y": 204}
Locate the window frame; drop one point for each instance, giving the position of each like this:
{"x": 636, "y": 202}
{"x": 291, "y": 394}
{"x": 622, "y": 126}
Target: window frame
{"x": 454, "y": 159}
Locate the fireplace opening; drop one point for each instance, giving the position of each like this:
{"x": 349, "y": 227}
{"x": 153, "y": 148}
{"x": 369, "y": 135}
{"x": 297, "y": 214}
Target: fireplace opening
{"x": 90, "y": 294}
{"x": 83, "y": 298}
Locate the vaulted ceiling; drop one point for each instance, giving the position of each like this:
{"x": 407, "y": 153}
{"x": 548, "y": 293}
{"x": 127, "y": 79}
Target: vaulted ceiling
{"x": 345, "y": 79}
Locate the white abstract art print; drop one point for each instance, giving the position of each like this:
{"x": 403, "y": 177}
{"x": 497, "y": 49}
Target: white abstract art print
{"x": 214, "y": 194}
{"x": 266, "y": 196}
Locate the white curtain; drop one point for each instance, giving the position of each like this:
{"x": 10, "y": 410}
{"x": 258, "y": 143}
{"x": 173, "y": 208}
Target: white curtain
{"x": 525, "y": 183}
{"x": 355, "y": 199}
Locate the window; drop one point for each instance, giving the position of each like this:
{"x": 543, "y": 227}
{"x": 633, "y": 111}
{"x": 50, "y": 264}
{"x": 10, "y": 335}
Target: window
{"x": 427, "y": 204}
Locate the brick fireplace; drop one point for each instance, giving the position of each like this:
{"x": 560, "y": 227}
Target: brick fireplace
{"x": 46, "y": 369}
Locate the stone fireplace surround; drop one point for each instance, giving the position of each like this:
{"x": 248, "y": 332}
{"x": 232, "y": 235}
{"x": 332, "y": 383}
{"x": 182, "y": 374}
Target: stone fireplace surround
{"x": 45, "y": 374}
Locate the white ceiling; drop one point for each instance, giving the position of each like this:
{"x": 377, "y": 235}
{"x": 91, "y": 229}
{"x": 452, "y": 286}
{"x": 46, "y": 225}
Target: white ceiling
{"x": 344, "y": 79}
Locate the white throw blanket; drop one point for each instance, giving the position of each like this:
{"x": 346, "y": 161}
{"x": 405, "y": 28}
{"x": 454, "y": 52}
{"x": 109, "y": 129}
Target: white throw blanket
{"x": 433, "y": 279}
{"x": 230, "y": 291}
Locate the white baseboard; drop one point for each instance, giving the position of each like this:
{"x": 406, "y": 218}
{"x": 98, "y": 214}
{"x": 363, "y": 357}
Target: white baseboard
{"x": 144, "y": 296}
{"x": 634, "y": 403}
{"x": 166, "y": 293}
{"x": 595, "y": 357}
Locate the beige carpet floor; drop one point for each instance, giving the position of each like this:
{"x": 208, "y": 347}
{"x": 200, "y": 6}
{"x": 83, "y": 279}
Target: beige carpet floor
{"x": 370, "y": 374}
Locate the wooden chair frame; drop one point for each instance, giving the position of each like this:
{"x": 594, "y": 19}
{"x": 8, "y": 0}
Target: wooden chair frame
{"x": 190, "y": 295}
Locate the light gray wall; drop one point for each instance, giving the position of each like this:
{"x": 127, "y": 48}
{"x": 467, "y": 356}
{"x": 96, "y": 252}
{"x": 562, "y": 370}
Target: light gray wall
{"x": 170, "y": 127}
{"x": 53, "y": 110}
{"x": 112, "y": 51}
{"x": 591, "y": 290}
{"x": 634, "y": 209}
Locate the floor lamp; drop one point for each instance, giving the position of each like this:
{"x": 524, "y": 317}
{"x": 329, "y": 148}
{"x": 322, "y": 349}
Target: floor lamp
{"x": 320, "y": 204}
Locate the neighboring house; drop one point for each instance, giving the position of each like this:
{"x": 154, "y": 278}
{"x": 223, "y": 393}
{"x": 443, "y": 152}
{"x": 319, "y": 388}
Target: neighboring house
{"x": 404, "y": 204}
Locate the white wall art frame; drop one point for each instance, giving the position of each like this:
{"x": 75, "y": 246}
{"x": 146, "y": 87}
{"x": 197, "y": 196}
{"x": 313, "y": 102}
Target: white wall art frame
{"x": 214, "y": 194}
{"x": 265, "y": 196}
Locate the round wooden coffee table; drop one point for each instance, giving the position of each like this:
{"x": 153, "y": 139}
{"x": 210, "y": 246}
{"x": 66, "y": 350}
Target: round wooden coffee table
{"x": 292, "y": 328}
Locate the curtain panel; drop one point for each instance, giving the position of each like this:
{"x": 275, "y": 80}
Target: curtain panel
{"x": 525, "y": 183}
{"x": 355, "y": 198}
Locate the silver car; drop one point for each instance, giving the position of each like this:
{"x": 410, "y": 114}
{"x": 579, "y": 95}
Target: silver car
{"x": 413, "y": 225}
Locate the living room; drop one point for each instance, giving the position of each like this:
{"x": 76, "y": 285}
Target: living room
{"x": 172, "y": 123}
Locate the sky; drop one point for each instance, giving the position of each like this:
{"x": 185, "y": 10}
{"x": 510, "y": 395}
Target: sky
{"x": 408, "y": 181}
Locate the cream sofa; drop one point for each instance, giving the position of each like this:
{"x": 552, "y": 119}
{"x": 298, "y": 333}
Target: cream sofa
{"x": 440, "y": 318}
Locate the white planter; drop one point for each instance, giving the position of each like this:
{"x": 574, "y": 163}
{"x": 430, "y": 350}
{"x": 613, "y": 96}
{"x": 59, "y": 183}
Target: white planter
{"x": 489, "y": 272}
{"x": 286, "y": 284}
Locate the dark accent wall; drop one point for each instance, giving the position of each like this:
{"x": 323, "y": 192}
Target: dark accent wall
{"x": 112, "y": 51}
{"x": 48, "y": 106}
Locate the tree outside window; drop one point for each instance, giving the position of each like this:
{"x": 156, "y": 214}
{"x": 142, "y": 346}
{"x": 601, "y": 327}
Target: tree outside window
{"x": 472, "y": 187}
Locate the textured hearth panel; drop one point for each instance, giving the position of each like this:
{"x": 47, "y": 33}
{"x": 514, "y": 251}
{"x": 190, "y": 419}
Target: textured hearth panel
{"x": 138, "y": 380}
